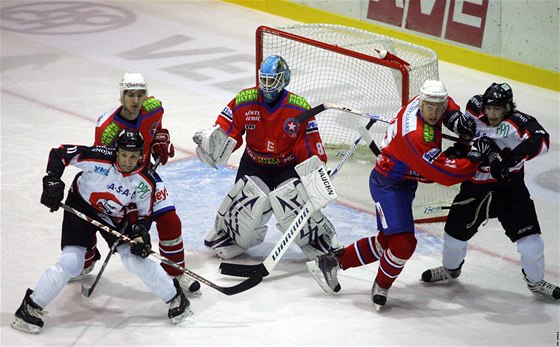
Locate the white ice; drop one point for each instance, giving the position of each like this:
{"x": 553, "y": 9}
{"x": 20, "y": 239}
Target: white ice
{"x": 56, "y": 80}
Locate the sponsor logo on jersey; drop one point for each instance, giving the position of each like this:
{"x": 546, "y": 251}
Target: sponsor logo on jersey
{"x": 119, "y": 189}
{"x": 103, "y": 150}
{"x": 253, "y": 118}
{"x": 291, "y": 127}
{"x": 109, "y": 134}
{"x": 143, "y": 189}
{"x": 153, "y": 130}
{"x": 298, "y": 100}
{"x": 151, "y": 104}
{"x": 429, "y": 133}
{"x": 101, "y": 170}
{"x": 268, "y": 161}
{"x": 502, "y": 129}
{"x": 226, "y": 112}
{"x": 246, "y": 95}
{"x": 431, "y": 155}
{"x": 250, "y": 126}
{"x": 161, "y": 195}
{"x": 312, "y": 127}
{"x": 523, "y": 230}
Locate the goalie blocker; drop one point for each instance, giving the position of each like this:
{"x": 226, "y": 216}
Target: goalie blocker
{"x": 242, "y": 217}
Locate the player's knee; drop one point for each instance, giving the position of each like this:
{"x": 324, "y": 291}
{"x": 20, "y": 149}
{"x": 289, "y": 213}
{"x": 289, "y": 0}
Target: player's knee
{"x": 72, "y": 260}
{"x": 402, "y": 245}
{"x": 132, "y": 263}
{"x": 531, "y": 246}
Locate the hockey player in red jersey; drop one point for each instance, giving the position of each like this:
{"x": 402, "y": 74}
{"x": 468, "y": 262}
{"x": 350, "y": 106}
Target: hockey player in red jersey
{"x": 266, "y": 180}
{"x": 499, "y": 192}
{"x": 110, "y": 180}
{"x": 138, "y": 111}
{"x": 411, "y": 152}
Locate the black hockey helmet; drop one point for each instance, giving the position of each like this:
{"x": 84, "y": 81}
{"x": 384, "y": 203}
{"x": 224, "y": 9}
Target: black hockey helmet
{"x": 130, "y": 140}
{"x": 498, "y": 94}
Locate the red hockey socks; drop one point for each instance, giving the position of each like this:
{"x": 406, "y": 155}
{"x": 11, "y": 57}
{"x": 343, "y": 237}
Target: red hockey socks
{"x": 171, "y": 240}
{"x": 401, "y": 247}
{"x": 364, "y": 251}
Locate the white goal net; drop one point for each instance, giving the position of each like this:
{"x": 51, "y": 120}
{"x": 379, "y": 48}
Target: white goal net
{"x": 350, "y": 67}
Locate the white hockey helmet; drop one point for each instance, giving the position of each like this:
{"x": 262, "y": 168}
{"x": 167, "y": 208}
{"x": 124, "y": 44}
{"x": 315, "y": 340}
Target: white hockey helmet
{"x": 433, "y": 91}
{"x": 133, "y": 81}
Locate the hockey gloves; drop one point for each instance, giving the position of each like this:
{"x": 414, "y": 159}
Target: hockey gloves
{"x": 53, "y": 192}
{"x": 142, "y": 245}
{"x": 499, "y": 168}
{"x": 457, "y": 151}
{"x": 481, "y": 149}
{"x": 462, "y": 125}
{"x": 162, "y": 147}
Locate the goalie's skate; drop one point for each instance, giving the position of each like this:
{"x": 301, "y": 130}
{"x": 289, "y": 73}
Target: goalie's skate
{"x": 379, "y": 296}
{"x": 179, "y": 306}
{"x": 324, "y": 269}
{"x": 28, "y": 316}
{"x": 189, "y": 285}
{"x": 440, "y": 273}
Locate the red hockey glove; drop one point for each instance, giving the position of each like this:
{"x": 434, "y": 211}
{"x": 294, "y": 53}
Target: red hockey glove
{"x": 162, "y": 147}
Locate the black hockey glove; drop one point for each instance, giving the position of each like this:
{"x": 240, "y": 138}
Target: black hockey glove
{"x": 499, "y": 168}
{"x": 140, "y": 235}
{"x": 481, "y": 149}
{"x": 53, "y": 192}
{"x": 458, "y": 150}
{"x": 462, "y": 125}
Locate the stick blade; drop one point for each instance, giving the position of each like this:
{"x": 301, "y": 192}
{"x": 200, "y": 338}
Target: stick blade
{"x": 241, "y": 287}
{"x": 86, "y": 292}
{"x": 240, "y": 270}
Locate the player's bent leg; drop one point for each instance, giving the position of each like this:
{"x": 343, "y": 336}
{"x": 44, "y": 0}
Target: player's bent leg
{"x": 454, "y": 253}
{"x": 241, "y": 219}
{"x": 531, "y": 248}
{"x": 90, "y": 259}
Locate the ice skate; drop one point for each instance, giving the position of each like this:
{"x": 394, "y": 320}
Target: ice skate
{"x": 438, "y": 274}
{"x": 324, "y": 269}
{"x": 28, "y": 316}
{"x": 379, "y": 296}
{"x": 179, "y": 306}
{"x": 543, "y": 288}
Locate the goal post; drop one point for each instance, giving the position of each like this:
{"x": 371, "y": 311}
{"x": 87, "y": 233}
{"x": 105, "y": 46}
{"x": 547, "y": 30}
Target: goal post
{"x": 362, "y": 70}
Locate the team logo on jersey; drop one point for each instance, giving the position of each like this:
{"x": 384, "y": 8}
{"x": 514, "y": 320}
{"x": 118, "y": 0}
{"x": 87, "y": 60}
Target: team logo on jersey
{"x": 291, "y": 126}
{"x": 312, "y": 127}
{"x": 106, "y": 203}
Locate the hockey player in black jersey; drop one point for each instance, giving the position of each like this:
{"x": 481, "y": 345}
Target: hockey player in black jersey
{"x": 110, "y": 180}
{"x": 499, "y": 191}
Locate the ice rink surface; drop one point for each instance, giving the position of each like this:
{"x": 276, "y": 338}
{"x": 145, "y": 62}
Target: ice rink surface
{"x": 61, "y": 62}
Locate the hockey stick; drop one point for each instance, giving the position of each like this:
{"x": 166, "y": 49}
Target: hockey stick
{"x": 86, "y": 292}
{"x": 265, "y": 268}
{"x": 238, "y": 288}
{"x": 327, "y": 106}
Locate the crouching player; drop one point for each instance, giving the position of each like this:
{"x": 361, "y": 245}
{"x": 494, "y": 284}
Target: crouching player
{"x": 267, "y": 182}
{"x": 112, "y": 178}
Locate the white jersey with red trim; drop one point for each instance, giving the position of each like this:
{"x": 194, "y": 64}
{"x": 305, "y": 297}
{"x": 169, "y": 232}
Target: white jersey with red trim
{"x": 101, "y": 184}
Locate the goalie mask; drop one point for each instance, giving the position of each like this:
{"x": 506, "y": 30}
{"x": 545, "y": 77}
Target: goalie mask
{"x": 132, "y": 81}
{"x": 274, "y": 76}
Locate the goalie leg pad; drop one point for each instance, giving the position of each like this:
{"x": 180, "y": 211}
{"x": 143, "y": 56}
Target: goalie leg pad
{"x": 242, "y": 216}
{"x": 318, "y": 236}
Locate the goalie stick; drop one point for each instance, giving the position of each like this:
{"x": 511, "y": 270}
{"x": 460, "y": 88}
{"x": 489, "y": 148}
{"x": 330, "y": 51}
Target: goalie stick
{"x": 265, "y": 268}
{"x": 238, "y": 288}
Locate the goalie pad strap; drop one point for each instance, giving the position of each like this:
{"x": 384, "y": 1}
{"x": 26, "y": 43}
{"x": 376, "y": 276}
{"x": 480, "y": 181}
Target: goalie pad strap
{"x": 245, "y": 211}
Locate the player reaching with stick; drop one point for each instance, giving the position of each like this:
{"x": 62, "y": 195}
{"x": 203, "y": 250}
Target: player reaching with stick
{"x": 410, "y": 153}
{"x": 266, "y": 180}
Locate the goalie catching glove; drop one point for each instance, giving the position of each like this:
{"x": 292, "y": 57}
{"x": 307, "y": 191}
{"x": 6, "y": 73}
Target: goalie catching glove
{"x": 214, "y": 146}
{"x": 162, "y": 147}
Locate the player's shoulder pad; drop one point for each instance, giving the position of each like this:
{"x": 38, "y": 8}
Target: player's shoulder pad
{"x": 474, "y": 105}
{"x": 151, "y": 104}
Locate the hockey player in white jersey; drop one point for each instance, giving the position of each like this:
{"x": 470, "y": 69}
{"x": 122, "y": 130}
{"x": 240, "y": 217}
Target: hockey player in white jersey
{"x": 110, "y": 180}
{"x": 499, "y": 192}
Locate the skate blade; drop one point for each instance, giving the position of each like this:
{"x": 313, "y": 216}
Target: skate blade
{"x": 318, "y": 276}
{"x": 197, "y": 293}
{"x": 177, "y": 320}
{"x": 22, "y": 325}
